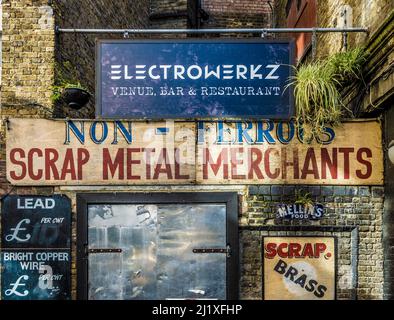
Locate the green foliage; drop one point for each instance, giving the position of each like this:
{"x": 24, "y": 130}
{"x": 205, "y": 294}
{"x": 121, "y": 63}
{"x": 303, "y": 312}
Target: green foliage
{"x": 65, "y": 78}
{"x": 317, "y": 88}
{"x": 346, "y": 66}
{"x": 317, "y": 99}
{"x": 303, "y": 198}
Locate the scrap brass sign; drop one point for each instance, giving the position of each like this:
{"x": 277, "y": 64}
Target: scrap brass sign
{"x": 299, "y": 268}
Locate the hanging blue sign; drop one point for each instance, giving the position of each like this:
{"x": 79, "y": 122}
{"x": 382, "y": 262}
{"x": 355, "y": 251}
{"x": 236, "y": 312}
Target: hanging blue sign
{"x": 194, "y": 79}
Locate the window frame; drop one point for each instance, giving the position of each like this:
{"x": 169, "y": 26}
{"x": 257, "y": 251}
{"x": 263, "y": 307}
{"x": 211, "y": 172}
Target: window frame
{"x": 230, "y": 199}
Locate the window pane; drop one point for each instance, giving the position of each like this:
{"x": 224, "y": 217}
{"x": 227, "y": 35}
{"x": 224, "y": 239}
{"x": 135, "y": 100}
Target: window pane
{"x": 157, "y": 259}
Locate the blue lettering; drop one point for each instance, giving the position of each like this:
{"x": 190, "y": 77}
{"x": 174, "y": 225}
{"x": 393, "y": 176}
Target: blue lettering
{"x": 201, "y": 132}
{"x": 290, "y": 132}
{"x": 264, "y": 134}
{"x": 220, "y": 134}
{"x": 93, "y": 133}
{"x": 126, "y": 133}
{"x": 300, "y": 133}
{"x": 243, "y": 132}
{"x": 329, "y": 133}
{"x": 80, "y": 134}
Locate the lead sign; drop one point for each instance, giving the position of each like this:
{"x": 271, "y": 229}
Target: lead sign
{"x": 36, "y": 255}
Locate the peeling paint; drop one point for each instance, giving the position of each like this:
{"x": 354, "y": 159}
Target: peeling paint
{"x": 46, "y": 20}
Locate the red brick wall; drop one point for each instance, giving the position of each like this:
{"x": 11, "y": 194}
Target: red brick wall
{"x": 302, "y": 17}
{"x": 238, "y": 6}
{"x": 237, "y": 14}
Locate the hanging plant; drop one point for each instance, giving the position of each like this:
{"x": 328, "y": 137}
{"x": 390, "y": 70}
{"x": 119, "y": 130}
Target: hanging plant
{"x": 303, "y": 198}
{"x": 317, "y": 90}
{"x": 68, "y": 89}
{"x": 347, "y": 66}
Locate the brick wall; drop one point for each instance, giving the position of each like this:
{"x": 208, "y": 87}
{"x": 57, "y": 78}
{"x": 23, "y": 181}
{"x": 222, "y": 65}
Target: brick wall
{"x": 28, "y": 55}
{"x": 79, "y": 49}
{"x": 170, "y": 14}
{"x": 237, "y": 14}
{"x": 160, "y": 6}
{"x": 237, "y": 6}
{"x": 222, "y": 14}
{"x": 30, "y": 49}
{"x": 375, "y": 93}
{"x": 365, "y": 13}
{"x": 348, "y": 211}
{"x": 28, "y": 46}
{"x": 28, "y": 73}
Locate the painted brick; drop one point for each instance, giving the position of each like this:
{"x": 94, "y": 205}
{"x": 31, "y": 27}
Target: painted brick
{"x": 289, "y": 190}
{"x": 364, "y": 191}
{"x": 377, "y": 192}
{"x": 370, "y": 276}
{"x": 253, "y": 190}
{"x": 327, "y": 191}
{"x": 276, "y": 190}
{"x": 264, "y": 190}
{"x": 339, "y": 191}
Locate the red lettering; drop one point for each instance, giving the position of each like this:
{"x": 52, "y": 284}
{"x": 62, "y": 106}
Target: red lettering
{"x": 163, "y": 160}
{"x": 294, "y": 250}
{"x": 331, "y": 164}
{"x": 254, "y": 164}
{"x": 235, "y": 161}
{"x": 346, "y": 161}
{"x": 366, "y": 163}
{"x": 308, "y": 250}
{"x": 51, "y": 156}
{"x": 222, "y": 158}
{"x": 281, "y": 252}
{"x": 130, "y": 162}
{"x": 30, "y": 164}
{"x": 319, "y": 249}
{"x": 178, "y": 174}
{"x": 68, "y": 165}
{"x": 310, "y": 159}
{"x": 13, "y": 160}
{"x": 148, "y": 155}
{"x": 116, "y": 165}
{"x": 294, "y": 164}
{"x": 267, "y": 162}
{"x": 83, "y": 158}
{"x": 270, "y": 250}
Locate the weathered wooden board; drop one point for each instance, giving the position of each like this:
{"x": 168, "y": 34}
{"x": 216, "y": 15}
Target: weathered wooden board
{"x": 47, "y": 152}
{"x": 349, "y": 155}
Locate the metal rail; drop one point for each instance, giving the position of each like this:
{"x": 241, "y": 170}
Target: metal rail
{"x": 202, "y": 31}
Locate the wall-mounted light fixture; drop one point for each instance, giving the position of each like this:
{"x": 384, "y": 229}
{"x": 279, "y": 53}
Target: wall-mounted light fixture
{"x": 391, "y": 151}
